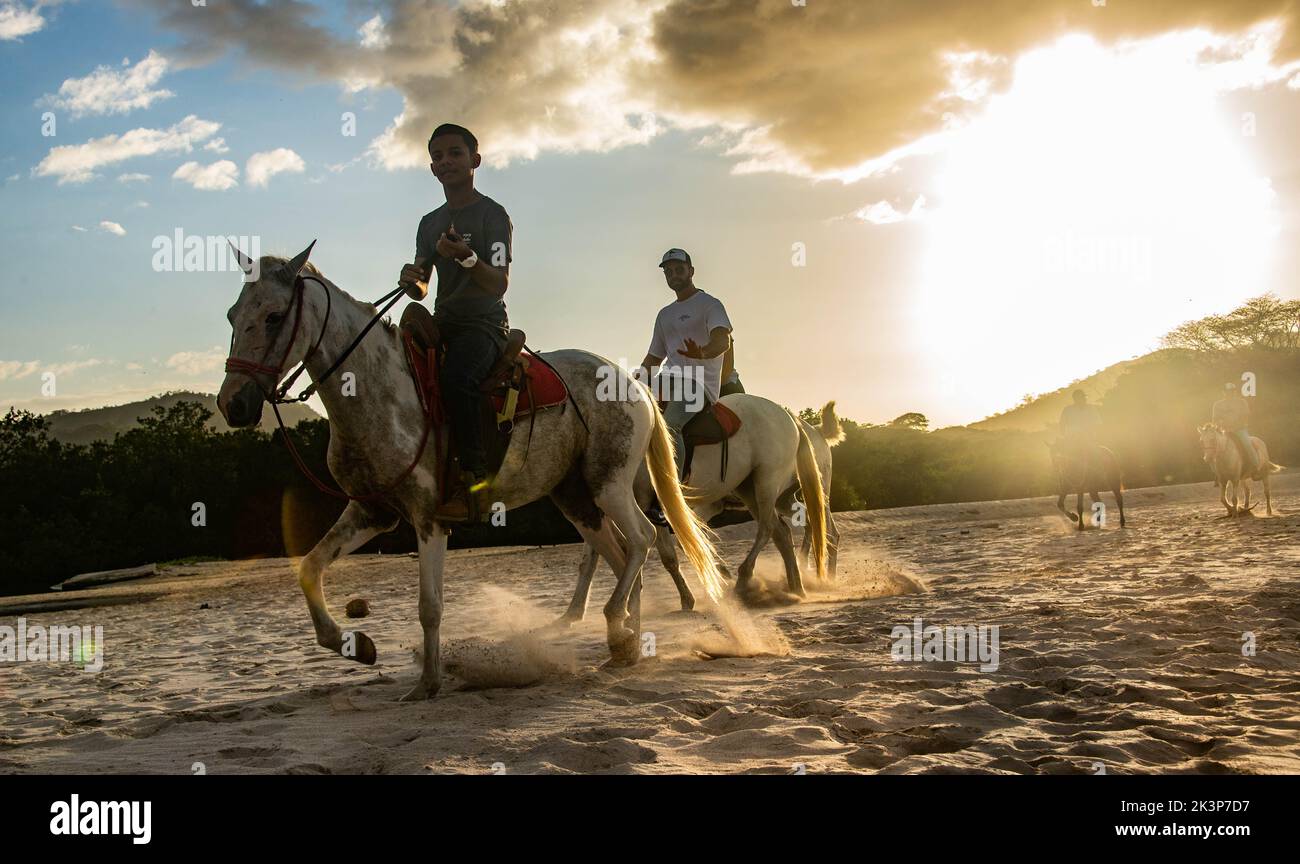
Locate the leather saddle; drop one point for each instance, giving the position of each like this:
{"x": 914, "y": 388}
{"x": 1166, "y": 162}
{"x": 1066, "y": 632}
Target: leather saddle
{"x": 518, "y": 384}
{"x": 714, "y": 425}
{"x": 418, "y": 321}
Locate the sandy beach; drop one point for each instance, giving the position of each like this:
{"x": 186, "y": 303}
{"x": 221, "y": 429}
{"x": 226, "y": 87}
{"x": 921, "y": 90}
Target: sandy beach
{"x": 1121, "y": 650}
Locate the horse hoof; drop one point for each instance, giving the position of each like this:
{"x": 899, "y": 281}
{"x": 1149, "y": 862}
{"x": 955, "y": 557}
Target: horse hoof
{"x": 419, "y": 693}
{"x": 564, "y": 622}
{"x": 621, "y": 659}
{"x": 624, "y": 650}
{"x": 359, "y": 647}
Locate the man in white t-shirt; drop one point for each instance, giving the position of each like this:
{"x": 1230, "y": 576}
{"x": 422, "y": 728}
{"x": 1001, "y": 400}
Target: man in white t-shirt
{"x": 690, "y": 337}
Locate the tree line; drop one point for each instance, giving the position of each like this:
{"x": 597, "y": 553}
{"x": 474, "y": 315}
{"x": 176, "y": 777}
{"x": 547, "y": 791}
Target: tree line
{"x": 174, "y": 488}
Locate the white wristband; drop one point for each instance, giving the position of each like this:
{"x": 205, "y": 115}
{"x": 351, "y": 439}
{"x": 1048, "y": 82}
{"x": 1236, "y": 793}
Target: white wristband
{"x": 470, "y": 261}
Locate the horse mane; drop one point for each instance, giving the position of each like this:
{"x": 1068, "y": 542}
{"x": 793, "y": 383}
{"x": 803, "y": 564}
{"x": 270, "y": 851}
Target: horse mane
{"x": 270, "y": 262}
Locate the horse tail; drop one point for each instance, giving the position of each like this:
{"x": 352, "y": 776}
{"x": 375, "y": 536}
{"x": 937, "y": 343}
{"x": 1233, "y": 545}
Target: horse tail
{"x": 810, "y": 484}
{"x": 692, "y": 532}
{"x": 1267, "y": 465}
{"x": 831, "y": 429}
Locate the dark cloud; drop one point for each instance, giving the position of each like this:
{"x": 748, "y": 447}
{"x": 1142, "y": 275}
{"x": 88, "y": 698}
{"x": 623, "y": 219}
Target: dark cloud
{"x": 842, "y": 82}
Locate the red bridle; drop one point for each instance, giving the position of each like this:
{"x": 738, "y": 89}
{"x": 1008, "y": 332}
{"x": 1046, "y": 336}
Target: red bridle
{"x": 276, "y": 398}
{"x": 252, "y": 369}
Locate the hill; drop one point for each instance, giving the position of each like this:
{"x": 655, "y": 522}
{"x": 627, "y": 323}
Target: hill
{"x": 101, "y": 424}
{"x": 1043, "y": 411}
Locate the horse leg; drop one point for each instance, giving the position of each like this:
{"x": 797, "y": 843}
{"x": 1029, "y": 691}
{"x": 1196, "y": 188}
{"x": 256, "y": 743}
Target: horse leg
{"x": 1118, "y": 491}
{"x": 573, "y": 499}
{"x": 586, "y": 570}
{"x": 668, "y": 557}
{"x": 1223, "y": 496}
{"x": 833, "y": 542}
{"x": 1268, "y": 493}
{"x": 805, "y": 546}
{"x": 355, "y": 526}
{"x": 760, "y": 498}
{"x": 638, "y": 532}
{"x": 1078, "y": 505}
{"x": 433, "y": 556}
{"x": 766, "y": 524}
{"x": 1060, "y": 505}
{"x": 783, "y": 537}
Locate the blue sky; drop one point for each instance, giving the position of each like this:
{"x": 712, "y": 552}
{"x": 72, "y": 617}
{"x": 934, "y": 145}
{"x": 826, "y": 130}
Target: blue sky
{"x": 870, "y": 320}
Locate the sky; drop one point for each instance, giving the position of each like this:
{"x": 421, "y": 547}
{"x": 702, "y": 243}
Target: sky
{"x": 938, "y": 207}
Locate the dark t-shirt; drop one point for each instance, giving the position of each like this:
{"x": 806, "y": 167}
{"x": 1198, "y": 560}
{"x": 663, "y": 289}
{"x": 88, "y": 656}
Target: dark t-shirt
{"x": 485, "y": 226}
{"x": 1080, "y": 421}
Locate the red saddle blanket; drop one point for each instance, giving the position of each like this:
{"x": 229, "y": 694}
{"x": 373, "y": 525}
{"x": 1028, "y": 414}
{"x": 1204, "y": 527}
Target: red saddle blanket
{"x": 543, "y": 388}
{"x": 712, "y": 427}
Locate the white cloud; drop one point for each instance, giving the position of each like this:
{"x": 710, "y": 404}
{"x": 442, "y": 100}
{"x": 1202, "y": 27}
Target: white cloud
{"x": 73, "y": 366}
{"x": 133, "y": 367}
{"x": 14, "y": 370}
{"x": 261, "y": 167}
{"x": 79, "y": 228}
{"x": 198, "y": 362}
{"x": 112, "y": 228}
{"x": 217, "y": 145}
{"x": 113, "y": 91}
{"x": 373, "y": 34}
{"x": 77, "y": 163}
{"x": 883, "y": 212}
{"x": 216, "y": 177}
{"x": 16, "y": 21}
{"x": 132, "y": 178}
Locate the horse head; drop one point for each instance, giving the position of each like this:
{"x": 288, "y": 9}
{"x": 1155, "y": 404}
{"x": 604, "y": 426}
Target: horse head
{"x": 1210, "y": 439}
{"x": 269, "y": 335}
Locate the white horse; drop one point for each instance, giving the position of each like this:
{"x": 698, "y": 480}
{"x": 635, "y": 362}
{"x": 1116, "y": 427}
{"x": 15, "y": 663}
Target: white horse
{"x": 823, "y": 437}
{"x": 1224, "y": 457}
{"x": 292, "y": 313}
{"x": 770, "y": 448}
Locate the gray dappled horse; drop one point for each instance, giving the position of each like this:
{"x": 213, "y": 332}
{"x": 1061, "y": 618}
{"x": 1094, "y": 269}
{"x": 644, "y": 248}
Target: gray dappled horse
{"x": 288, "y": 310}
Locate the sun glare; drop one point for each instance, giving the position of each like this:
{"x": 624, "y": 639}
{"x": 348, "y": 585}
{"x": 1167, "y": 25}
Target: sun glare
{"x": 1105, "y": 198}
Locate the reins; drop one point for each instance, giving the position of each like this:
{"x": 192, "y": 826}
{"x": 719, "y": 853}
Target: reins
{"x": 280, "y": 396}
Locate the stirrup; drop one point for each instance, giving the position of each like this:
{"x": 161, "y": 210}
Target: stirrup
{"x": 465, "y": 507}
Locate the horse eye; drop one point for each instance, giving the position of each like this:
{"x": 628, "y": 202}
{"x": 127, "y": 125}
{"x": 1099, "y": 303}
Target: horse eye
{"x": 274, "y": 318}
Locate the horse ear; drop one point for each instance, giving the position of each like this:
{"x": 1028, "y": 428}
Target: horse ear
{"x": 294, "y": 265}
{"x": 245, "y": 263}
